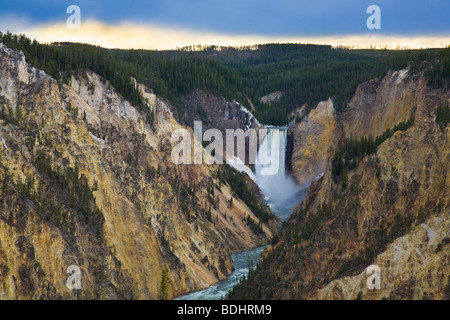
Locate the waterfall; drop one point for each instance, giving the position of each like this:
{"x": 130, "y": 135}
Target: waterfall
{"x": 281, "y": 193}
{"x": 279, "y": 188}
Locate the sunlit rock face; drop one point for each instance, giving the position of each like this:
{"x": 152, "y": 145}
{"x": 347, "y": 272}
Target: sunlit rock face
{"x": 381, "y": 104}
{"x": 127, "y": 210}
{"x": 378, "y": 105}
{"x": 312, "y": 142}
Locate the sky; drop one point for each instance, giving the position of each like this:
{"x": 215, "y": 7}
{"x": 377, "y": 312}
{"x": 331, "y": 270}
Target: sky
{"x": 160, "y": 24}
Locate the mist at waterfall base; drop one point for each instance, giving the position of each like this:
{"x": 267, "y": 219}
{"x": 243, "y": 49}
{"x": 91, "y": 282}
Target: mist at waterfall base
{"x": 278, "y": 187}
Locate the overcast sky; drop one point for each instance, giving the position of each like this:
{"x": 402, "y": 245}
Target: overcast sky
{"x": 236, "y": 18}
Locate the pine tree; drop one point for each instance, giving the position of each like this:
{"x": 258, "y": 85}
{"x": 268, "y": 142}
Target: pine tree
{"x": 230, "y": 203}
{"x": 163, "y": 293}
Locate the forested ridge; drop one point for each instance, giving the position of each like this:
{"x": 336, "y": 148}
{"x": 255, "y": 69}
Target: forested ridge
{"x": 303, "y": 73}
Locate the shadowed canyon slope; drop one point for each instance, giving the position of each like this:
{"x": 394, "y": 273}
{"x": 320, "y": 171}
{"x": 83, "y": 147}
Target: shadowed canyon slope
{"x": 388, "y": 207}
{"x": 86, "y": 179}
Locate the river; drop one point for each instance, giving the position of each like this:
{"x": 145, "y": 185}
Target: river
{"x": 218, "y": 291}
{"x": 281, "y": 193}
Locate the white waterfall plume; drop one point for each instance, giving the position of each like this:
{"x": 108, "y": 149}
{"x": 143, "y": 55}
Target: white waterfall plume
{"x": 278, "y": 187}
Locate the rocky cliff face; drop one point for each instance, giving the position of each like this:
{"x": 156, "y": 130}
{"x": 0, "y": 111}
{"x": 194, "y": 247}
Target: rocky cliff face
{"x": 216, "y": 112}
{"x": 415, "y": 267}
{"x": 393, "y": 211}
{"x": 379, "y": 105}
{"x": 313, "y": 141}
{"x": 87, "y": 181}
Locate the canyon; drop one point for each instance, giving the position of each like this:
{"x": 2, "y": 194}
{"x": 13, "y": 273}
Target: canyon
{"x": 88, "y": 181}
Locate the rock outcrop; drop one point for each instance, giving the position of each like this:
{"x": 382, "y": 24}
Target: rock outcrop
{"x": 271, "y": 97}
{"x": 379, "y": 105}
{"x": 216, "y": 112}
{"x": 313, "y": 142}
{"x": 87, "y": 181}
